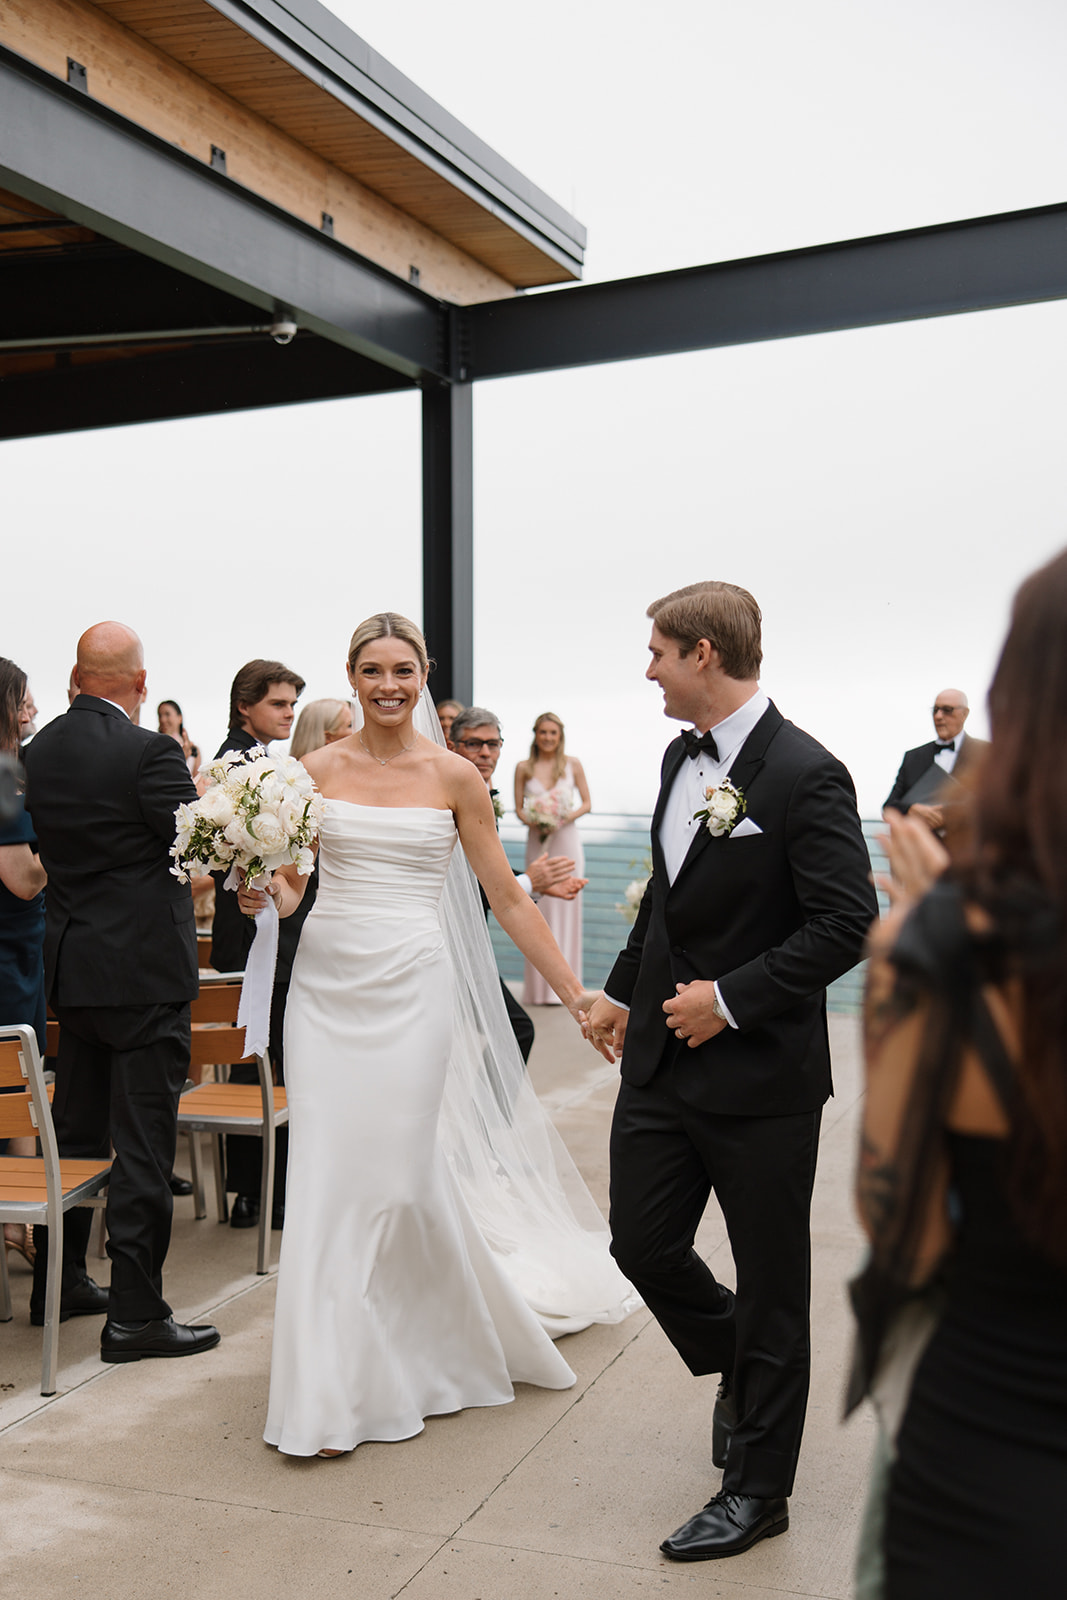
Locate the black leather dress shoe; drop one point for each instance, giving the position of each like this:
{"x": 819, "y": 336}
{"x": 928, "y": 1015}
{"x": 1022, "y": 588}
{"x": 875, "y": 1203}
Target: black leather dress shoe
{"x": 723, "y": 1421}
{"x": 87, "y": 1300}
{"x": 727, "y": 1525}
{"x": 180, "y": 1186}
{"x": 136, "y": 1341}
{"x": 245, "y": 1212}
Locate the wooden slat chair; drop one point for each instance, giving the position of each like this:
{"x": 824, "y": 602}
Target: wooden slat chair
{"x": 203, "y": 952}
{"x": 255, "y": 1110}
{"x": 38, "y": 1189}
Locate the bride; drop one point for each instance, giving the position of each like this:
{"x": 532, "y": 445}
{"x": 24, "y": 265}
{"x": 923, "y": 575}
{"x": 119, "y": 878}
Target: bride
{"x": 437, "y": 1235}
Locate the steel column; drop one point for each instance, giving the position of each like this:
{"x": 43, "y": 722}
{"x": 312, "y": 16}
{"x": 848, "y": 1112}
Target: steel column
{"x": 448, "y": 537}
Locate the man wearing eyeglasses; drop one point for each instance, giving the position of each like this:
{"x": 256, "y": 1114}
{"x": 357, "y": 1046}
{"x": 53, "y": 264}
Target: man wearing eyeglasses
{"x": 930, "y": 775}
{"x": 475, "y": 735}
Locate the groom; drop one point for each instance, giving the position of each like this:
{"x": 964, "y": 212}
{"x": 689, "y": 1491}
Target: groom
{"x": 719, "y": 996}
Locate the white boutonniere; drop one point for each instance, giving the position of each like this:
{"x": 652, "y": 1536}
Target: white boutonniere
{"x": 726, "y": 806}
{"x": 498, "y": 804}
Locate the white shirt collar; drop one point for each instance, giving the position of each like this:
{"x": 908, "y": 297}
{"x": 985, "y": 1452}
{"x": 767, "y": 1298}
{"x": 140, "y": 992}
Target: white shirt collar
{"x": 731, "y": 733}
{"x": 115, "y": 703}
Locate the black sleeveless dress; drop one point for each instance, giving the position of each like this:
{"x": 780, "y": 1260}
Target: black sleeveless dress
{"x": 978, "y": 1494}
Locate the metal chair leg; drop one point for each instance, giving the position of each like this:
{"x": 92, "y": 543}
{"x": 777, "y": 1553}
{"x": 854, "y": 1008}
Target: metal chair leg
{"x": 6, "y": 1309}
{"x": 220, "y": 1177}
{"x": 50, "y": 1355}
{"x": 196, "y": 1172}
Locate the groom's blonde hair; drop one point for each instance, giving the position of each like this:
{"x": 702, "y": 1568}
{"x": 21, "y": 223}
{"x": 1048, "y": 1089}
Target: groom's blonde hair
{"x": 388, "y": 625}
{"x": 727, "y": 616}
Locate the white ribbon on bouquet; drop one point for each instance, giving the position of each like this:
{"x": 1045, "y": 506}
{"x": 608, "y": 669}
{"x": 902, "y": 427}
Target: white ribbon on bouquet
{"x": 257, "y": 985}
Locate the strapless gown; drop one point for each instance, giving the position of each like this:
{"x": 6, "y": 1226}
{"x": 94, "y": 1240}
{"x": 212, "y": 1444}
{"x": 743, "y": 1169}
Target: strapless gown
{"x": 391, "y": 1307}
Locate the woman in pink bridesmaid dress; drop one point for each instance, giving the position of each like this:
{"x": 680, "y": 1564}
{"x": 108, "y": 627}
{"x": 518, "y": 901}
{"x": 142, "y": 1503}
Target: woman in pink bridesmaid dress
{"x": 549, "y": 775}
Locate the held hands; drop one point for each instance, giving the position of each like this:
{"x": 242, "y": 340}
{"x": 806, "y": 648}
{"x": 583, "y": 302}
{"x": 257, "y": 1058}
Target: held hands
{"x": 603, "y": 1024}
{"x": 690, "y": 1015}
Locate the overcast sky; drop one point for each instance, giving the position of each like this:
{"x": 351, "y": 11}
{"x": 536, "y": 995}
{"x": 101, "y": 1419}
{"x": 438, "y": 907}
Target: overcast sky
{"x": 881, "y": 492}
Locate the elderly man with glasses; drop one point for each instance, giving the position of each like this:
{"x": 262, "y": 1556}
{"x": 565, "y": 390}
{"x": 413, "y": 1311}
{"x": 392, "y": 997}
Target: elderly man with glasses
{"x": 475, "y": 735}
{"x": 930, "y": 776}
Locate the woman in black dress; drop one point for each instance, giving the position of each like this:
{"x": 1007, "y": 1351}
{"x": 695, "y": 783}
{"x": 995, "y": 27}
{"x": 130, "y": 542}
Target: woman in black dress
{"x": 22, "y": 880}
{"x": 963, "y": 1171}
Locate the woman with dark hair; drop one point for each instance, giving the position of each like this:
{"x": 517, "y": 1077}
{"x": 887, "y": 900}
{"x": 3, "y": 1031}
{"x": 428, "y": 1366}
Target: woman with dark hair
{"x": 550, "y": 783}
{"x": 962, "y": 1186}
{"x": 22, "y": 881}
{"x": 169, "y": 720}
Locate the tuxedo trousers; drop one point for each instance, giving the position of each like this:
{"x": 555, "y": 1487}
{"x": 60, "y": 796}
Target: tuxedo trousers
{"x": 119, "y": 1073}
{"x": 667, "y": 1158}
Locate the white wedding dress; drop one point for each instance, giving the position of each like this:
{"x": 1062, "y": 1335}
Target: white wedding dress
{"x": 406, "y": 1278}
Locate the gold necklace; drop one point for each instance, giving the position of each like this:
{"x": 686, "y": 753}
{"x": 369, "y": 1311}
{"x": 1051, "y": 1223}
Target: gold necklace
{"x": 402, "y": 752}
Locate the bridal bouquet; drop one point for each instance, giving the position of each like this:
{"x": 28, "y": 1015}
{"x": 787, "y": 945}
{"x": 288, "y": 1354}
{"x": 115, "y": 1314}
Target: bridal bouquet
{"x": 258, "y": 813}
{"x": 546, "y": 812}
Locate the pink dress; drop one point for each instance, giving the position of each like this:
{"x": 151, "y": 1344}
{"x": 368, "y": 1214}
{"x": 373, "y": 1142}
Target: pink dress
{"x": 564, "y": 917}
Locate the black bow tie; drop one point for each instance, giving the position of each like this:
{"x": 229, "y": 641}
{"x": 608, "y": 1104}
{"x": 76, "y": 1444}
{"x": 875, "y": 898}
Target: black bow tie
{"x": 951, "y": 745}
{"x": 696, "y": 742}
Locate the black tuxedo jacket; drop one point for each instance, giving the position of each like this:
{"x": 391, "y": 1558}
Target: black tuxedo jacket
{"x": 917, "y": 761}
{"x": 773, "y": 917}
{"x": 102, "y": 793}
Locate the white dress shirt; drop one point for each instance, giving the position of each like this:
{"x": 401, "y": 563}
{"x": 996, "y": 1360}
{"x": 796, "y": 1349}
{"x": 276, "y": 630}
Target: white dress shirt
{"x": 688, "y": 796}
{"x": 946, "y": 759}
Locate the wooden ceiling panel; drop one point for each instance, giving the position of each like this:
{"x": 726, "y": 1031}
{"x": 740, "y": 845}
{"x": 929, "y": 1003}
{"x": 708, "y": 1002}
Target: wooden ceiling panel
{"x": 216, "y": 49}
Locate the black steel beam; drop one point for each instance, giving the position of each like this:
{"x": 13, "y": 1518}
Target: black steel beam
{"x": 1012, "y": 259}
{"x": 240, "y": 374}
{"x": 104, "y": 288}
{"x": 448, "y": 538}
{"x": 65, "y": 151}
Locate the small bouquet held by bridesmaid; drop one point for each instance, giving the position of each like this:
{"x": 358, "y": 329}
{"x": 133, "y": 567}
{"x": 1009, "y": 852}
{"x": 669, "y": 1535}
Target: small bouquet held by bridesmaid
{"x": 258, "y": 813}
{"x": 547, "y": 812}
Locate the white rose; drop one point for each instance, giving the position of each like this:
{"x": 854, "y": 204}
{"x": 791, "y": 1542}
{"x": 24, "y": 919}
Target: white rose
{"x": 216, "y": 807}
{"x": 234, "y": 833}
{"x": 722, "y": 811}
{"x": 268, "y": 833}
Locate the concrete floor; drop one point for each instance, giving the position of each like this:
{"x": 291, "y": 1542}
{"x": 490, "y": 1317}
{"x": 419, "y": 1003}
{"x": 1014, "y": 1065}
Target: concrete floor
{"x": 152, "y": 1481}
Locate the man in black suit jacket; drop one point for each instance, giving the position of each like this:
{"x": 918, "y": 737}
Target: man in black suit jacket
{"x": 120, "y": 970}
{"x": 718, "y": 1004}
{"x": 263, "y": 699}
{"x": 953, "y": 754}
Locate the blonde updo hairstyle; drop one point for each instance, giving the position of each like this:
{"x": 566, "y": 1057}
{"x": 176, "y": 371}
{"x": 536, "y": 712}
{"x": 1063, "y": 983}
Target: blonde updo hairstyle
{"x": 318, "y": 718}
{"x": 561, "y": 749}
{"x": 388, "y": 625}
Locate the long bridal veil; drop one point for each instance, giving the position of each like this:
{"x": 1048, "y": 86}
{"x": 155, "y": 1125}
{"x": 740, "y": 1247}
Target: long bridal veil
{"x": 513, "y": 1169}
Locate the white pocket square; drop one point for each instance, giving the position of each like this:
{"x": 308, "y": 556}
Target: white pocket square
{"x": 745, "y": 829}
